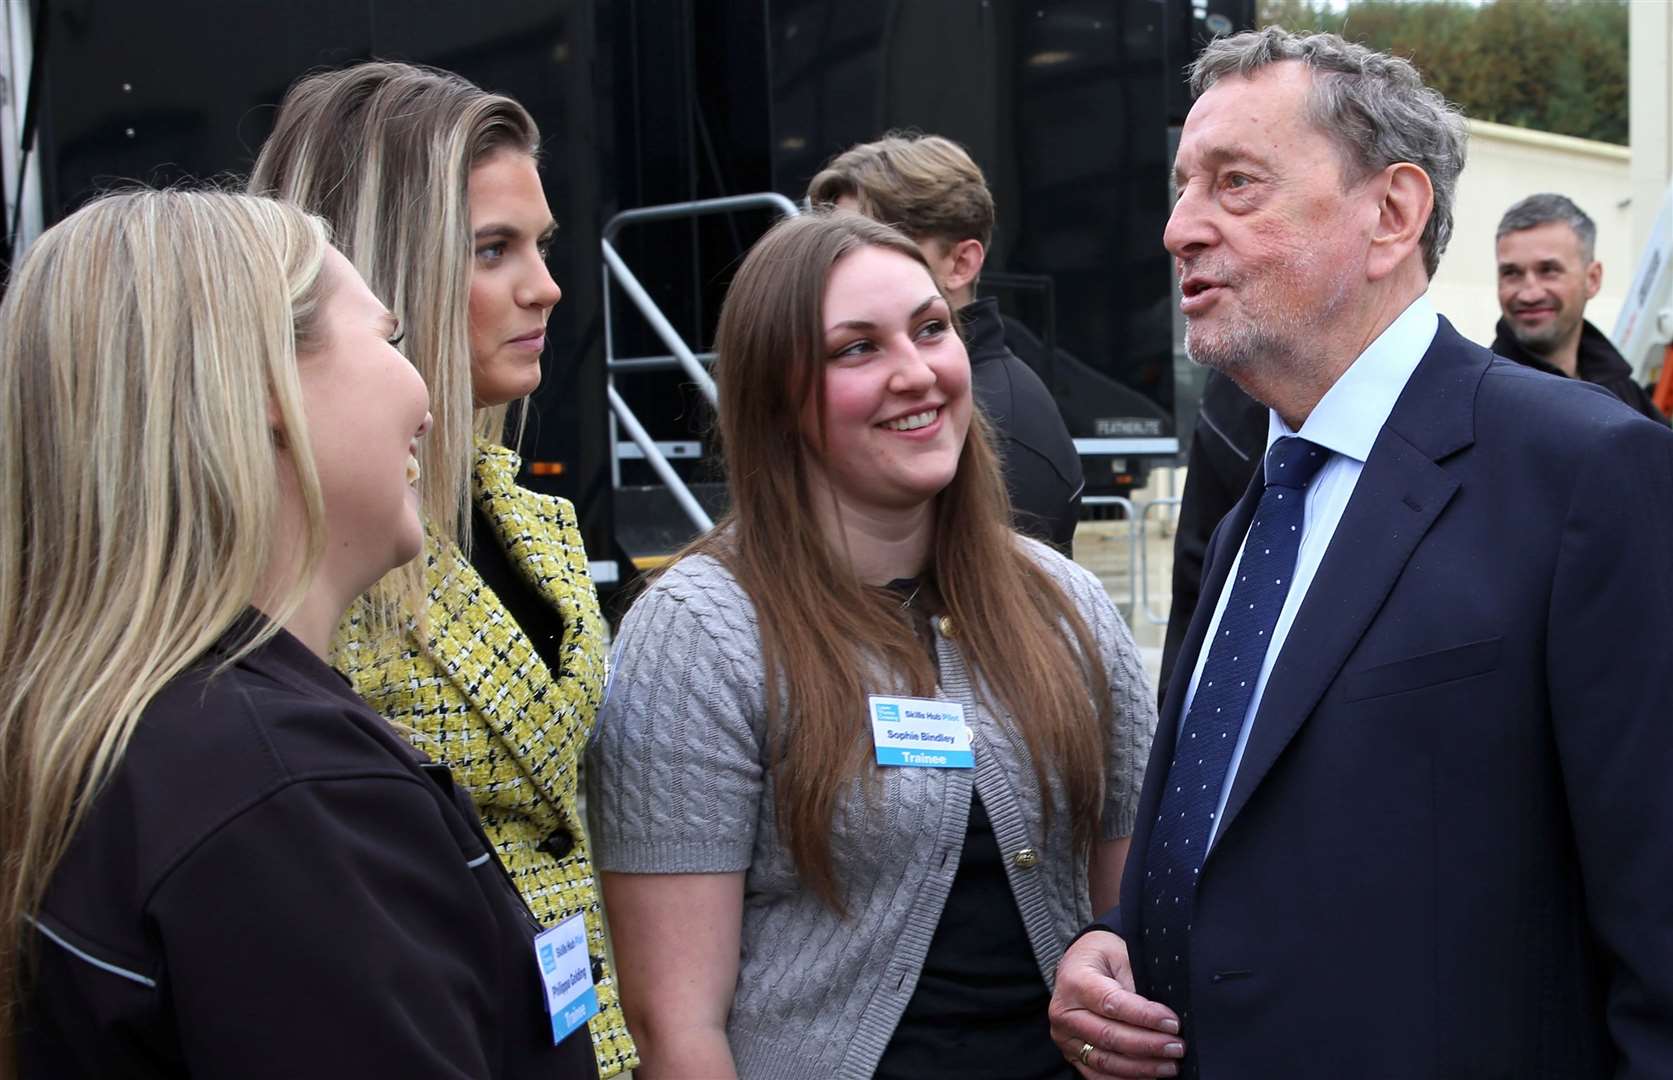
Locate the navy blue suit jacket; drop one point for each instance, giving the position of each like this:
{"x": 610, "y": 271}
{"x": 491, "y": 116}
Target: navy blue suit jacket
{"x": 1448, "y": 850}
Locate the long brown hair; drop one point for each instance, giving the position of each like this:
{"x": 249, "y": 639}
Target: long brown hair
{"x": 823, "y": 631}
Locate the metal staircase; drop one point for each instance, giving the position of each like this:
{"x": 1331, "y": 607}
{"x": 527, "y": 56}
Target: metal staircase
{"x": 652, "y": 521}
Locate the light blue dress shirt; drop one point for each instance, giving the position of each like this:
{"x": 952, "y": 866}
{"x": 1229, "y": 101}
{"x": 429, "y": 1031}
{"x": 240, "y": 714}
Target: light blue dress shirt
{"x": 1346, "y": 421}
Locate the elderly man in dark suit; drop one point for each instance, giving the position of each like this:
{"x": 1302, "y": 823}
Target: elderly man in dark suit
{"x": 1408, "y": 811}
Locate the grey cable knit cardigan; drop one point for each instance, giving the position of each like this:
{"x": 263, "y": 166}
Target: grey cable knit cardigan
{"x": 676, "y": 784}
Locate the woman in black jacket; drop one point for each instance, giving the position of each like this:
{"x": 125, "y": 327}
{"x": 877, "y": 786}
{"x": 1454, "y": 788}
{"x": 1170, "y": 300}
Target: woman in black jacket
{"x": 220, "y": 861}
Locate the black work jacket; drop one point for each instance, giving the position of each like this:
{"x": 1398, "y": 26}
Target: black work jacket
{"x": 1598, "y": 362}
{"x": 274, "y": 884}
{"x": 1042, "y": 467}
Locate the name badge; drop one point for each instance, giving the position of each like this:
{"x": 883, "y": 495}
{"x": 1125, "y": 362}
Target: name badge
{"x": 920, "y": 733}
{"x": 567, "y": 971}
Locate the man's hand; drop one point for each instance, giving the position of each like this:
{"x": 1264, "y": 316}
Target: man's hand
{"x": 1095, "y": 1005}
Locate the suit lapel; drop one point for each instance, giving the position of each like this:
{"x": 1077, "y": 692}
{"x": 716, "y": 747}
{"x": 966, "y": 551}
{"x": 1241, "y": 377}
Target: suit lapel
{"x": 539, "y": 534}
{"x": 1398, "y": 497}
{"x": 497, "y": 667}
{"x": 471, "y": 628}
{"x": 1400, "y": 493}
{"x": 477, "y": 658}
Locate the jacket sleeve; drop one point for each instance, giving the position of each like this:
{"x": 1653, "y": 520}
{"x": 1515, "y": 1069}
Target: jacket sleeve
{"x": 336, "y": 928}
{"x": 1608, "y": 635}
{"x": 1109, "y": 921}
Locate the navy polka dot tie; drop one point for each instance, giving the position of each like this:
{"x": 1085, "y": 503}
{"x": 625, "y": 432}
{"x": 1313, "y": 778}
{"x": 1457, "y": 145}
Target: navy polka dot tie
{"x": 1204, "y": 750}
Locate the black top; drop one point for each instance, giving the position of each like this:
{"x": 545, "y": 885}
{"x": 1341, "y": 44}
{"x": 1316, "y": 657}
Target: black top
{"x": 1598, "y": 362}
{"x": 274, "y": 884}
{"x": 1042, "y": 467}
{"x": 539, "y": 620}
{"x": 979, "y": 1009}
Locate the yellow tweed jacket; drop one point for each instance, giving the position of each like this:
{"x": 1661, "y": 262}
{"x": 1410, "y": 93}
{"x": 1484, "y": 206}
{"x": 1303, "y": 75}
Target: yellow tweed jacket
{"x": 480, "y": 699}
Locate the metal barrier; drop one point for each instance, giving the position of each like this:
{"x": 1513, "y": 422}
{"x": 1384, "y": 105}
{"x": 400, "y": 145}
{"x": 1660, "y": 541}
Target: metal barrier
{"x": 1137, "y": 516}
{"x": 681, "y": 357}
{"x": 1143, "y": 602}
{"x": 1133, "y": 554}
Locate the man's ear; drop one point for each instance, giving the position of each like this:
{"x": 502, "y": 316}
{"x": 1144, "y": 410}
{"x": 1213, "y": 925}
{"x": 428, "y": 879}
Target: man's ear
{"x": 1594, "y": 278}
{"x": 963, "y": 265}
{"x": 1407, "y": 201}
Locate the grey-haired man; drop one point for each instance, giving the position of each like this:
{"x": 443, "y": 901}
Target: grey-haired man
{"x": 1547, "y": 272}
{"x": 1407, "y": 812}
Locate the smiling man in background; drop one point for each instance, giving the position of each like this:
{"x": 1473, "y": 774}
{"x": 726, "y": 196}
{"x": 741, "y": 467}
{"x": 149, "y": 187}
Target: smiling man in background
{"x": 1547, "y": 272}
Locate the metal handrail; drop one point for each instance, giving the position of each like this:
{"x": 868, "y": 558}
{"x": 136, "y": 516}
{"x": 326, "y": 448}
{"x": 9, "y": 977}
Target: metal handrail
{"x": 659, "y": 322}
{"x": 677, "y": 487}
{"x": 681, "y": 355}
{"x": 657, "y": 363}
{"x": 725, "y": 204}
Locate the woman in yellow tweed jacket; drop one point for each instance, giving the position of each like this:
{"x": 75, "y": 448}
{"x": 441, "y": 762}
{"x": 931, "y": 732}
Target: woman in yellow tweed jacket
{"x": 491, "y": 654}
{"x": 480, "y": 698}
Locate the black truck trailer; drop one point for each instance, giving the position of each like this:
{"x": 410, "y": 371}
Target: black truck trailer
{"x": 674, "y": 132}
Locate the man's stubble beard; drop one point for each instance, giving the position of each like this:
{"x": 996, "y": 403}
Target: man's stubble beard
{"x": 1273, "y": 341}
{"x": 1541, "y": 342}
{"x": 1277, "y": 339}
{"x": 1235, "y": 350}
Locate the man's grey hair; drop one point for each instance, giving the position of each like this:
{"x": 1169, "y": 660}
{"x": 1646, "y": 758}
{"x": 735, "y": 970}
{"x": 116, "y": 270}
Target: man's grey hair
{"x": 1545, "y": 208}
{"x": 1372, "y": 105}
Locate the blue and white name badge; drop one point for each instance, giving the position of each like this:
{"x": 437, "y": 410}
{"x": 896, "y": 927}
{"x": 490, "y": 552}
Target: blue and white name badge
{"x": 920, "y": 733}
{"x": 567, "y": 971}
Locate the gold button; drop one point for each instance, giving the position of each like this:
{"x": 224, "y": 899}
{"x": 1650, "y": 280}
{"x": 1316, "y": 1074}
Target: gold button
{"x": 1026, "y": 858}
{"x": 945, "y": 625}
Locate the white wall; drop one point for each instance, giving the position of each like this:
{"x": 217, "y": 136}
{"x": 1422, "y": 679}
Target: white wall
{"x": 1651, "y": 105}
{"x": 1506, "y": 164}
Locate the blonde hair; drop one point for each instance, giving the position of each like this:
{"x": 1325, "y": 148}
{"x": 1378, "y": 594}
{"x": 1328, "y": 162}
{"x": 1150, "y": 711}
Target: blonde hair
{"x": 924, "y": 185}
{"x": 822, "y": 630}
{"x": 148, "y": 344}
{"x": 384, "y": 151}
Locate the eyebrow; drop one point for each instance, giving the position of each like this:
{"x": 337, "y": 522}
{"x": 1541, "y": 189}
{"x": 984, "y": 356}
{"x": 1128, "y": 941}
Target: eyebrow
{"x": 1220, "y": 155}
{"x": 506, "y": 230}
{"x": 866, "y": 324}
{"x": 1539, "y": 263}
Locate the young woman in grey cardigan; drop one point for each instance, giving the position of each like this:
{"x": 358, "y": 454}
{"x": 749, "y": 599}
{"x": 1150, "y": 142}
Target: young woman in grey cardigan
{"x": 868, "y": 757}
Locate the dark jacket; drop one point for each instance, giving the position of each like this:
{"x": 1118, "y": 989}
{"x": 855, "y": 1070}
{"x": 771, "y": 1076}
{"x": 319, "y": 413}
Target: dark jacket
{"x": 1599, "y": 363}
{"x": 1226, "y": 448}
{"x": 274, "y": 884}
{"x": 1042, "y": 467}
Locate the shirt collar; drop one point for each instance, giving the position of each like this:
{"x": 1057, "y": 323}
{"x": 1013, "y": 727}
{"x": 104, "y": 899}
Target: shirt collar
{"x": 1352, "y": 412}
{"x": 984, "y": 330}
